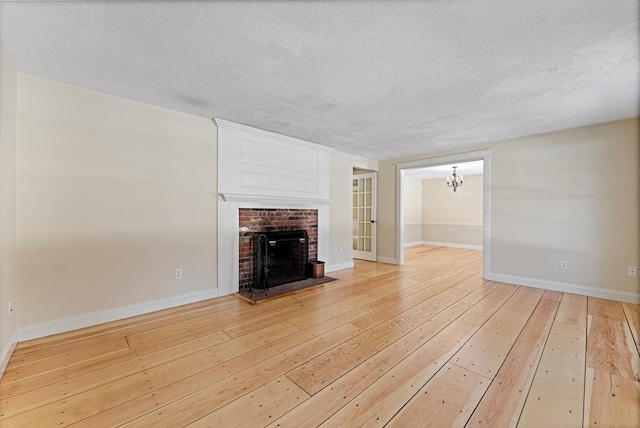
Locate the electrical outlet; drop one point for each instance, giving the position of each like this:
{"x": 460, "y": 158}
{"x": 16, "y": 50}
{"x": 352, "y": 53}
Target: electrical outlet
{"x": 178, "y": 273}
{"x": 632, "y": 271}
{"x": 9, "y": 307}
{"x": 564, "y": 265}
{"x": 341, "y": 249}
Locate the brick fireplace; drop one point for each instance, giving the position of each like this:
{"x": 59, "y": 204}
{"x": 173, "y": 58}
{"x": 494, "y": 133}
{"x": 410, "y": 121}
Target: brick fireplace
{"x": 272, "y": 220}
{"x": 266, "y": 180}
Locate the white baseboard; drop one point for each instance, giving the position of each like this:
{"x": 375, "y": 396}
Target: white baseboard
{"x": 449, "y": 244}
{"x": 388, "y": 260}
{"x": 339, "y": 266}
{"x": 413, "y": 244}
{"x": 603, "y": 293}
{"x": 75, "y": 322}
{"x": 6, "y": 353}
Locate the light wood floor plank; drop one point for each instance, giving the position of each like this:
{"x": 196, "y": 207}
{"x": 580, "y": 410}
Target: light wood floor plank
{"x": 448, "y": 399}
{"x": 128, "y": 373}
{"x": 480, "y": 313}
{"x": 502, "y": 404}
{"x": 94, "y": 334}
{"x": 68, "y": 351}
{"x": 401, "y": 293}
{"x": 410, "y": 284}
{"x": 329, "y": 400}
{"x": 609, "y": 309}
{"x": 153, "y": 354}
{"x": 611, "y": 401}
{"x": 402, "y": 304}
{"x": 573, "y": 310}
{"x": 257, "y": 408}
{"x": 323, "y": 370}
{"x": 193, "y": 406}
{"x": 151, "y": 400}
{"x": 361, "y": 297}
{"x": 487, "y": 350}
{"x": 610, "y": 348}
{"x": 102, "y": 335}
{"x": 76, "y": 367}
{"x": 407, "y": 282}
{"x": 384, "y": 398}
{"x": 557, "y": 393}
{"x": 378, "y": 346}
{"x": 191, "y": 361}
{"x": 28, "y": 368}
{"x": 632, "y": 313}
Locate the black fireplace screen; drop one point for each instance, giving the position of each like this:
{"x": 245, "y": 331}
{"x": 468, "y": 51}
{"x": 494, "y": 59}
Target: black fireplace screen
{"x": 279, "y": 257}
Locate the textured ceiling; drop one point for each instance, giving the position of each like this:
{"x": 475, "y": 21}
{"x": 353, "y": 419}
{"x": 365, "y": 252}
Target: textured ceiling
{"x": 379, "y": 79}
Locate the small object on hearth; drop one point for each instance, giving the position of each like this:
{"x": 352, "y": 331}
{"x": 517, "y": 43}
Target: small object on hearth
{"x": 317, "y": 269}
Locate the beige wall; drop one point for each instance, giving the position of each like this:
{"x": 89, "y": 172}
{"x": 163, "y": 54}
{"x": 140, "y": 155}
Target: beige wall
{"x": 452, "y": 217}
{"x": 441, "y": 205}
{"x": 341, "y": 222}
{"x": 386, "y": 242}
{"x": 412, "y": 200}
{"x": 569, "y": 195}
{"x": 113, "y": 195}
{"x": 413, "y": 203}
{"x": 8, "y": 106}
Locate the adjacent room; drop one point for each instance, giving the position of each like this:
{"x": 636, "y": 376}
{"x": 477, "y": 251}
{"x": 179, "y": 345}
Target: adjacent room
{"x": 320, "y": 213}
{"x": 442, "y": 209}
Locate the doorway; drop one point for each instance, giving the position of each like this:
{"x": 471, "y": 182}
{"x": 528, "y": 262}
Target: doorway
{"x": 364, "y": 215}
{"x": 443, "y": 211}
{"x": 401, "y": 171}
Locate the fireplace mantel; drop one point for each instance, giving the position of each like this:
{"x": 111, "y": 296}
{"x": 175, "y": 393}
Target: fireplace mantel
{"x": 260, "y": 169}
{"x": 244, "y": 197}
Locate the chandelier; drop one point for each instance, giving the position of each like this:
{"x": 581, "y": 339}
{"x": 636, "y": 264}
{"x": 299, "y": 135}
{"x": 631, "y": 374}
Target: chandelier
{"x": 454, "y": 181}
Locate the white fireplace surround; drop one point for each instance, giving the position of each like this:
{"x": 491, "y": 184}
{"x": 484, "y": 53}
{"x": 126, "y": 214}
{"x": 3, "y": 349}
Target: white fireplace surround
{"x": 260, "y": 169}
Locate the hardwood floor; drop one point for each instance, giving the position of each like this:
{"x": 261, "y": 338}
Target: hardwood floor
{"x": 426, "y": 344}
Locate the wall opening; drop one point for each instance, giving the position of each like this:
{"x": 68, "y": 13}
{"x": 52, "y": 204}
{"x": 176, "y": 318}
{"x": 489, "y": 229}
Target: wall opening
{"x": 403, "y": 167}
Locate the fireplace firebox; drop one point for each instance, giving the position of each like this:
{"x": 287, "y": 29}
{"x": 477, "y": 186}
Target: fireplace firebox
{"x": 280, "y": 258}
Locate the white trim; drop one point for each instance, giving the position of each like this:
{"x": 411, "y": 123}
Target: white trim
{"x": 399, "y": 216}
{"x": 485, "y": 155}
{"x": 486, "y": 213}
{"x": 5, "y": 356}
{"x": 443, "y": 160}
{"x": 388, "y": 260}
{"x": 339, "y": 266}
{"x": 233, "y": 193}
{"x": 453, "y": 245}
{"x": 450, "y": 224}
{"x": 75, "y": 322}
{"x": 363, "y": 254}
{"x": 603, "y": 293}
{"x": 289, "y": 200}
{"x": 413, "y": 244}
{"x": 225, "y": 124}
